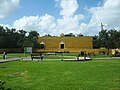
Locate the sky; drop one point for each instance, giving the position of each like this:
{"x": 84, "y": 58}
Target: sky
{"x": 60, "y": 16}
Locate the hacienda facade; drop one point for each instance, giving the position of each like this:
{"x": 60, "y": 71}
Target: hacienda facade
{"x": 65, "y": 43}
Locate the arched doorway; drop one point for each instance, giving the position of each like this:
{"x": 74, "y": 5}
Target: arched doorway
{"x": 42, "y": 45}
{"x": 62, "y": 45}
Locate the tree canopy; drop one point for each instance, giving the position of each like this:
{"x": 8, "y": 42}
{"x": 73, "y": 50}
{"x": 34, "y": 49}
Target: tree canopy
{"x": 109, "y": 39}
{"x": 12, "y": 38}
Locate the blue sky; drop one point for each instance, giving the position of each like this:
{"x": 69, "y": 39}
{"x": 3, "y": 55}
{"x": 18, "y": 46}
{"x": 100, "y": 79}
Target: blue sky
{"x": 41, "y": 7}
{"x": 60, "y": 16}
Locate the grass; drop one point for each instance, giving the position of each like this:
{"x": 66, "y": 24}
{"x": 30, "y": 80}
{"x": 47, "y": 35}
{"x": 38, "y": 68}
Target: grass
{"x": 61, "y": 75}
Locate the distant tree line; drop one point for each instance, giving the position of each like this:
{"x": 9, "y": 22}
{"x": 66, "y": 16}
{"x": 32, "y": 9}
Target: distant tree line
{"x": 12, "y": 38}
{"x": 109, "y": 39}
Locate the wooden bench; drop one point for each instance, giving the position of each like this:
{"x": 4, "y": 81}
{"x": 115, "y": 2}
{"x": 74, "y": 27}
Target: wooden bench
{"x": 37, "y": 56}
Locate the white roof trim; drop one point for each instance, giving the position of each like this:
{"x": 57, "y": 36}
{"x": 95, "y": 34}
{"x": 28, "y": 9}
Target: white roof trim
{"x": 62, "y": 42}
{"x": 42, "y": 42}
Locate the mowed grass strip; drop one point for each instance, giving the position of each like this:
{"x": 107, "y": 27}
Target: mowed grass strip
{"x": 61, "y": 75}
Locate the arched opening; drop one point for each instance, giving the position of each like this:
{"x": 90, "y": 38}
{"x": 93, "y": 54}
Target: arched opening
{"x": 42, "y": 45}
{"x": 62, "y": 45}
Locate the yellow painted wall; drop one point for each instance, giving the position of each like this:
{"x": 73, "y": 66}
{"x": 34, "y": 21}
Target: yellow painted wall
{"x": 71, "y": 43}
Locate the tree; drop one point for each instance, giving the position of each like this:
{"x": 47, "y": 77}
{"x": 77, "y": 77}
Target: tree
{"x": 12, "y": 38}
{"x": 22, "y": 38}
{"x": 103, "y": 37}
{"x": 96, "y": 42}
{"x": 31, "y": 40}
{"x": 109, "y": 39}
{"x": 114, "y": 38}
{"x": 33, "y": 34}
{"x": 2, "y": 34}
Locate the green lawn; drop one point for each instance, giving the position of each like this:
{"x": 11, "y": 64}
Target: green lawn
{"x": 17, "y": 54}
{"x": 61, "y": 75}
{"x": 14, "y": 55}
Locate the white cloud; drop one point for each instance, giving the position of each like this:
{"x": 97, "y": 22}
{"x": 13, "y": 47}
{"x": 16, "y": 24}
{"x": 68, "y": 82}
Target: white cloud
{"x": 68, "y": 7}
{"x": 47, "y": 24}
{"x": 42, "y": 24}
{"x": 69, "y": 24}
{"x": 108, "y": 14}
{"x": 8, "y": 6}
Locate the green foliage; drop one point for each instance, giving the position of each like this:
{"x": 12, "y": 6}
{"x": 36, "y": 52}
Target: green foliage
{"x": 12, "y": 38}
{"x": 2, "y": 87}
{"x": 109, "y": 39}
{"x": 96, "y": 42}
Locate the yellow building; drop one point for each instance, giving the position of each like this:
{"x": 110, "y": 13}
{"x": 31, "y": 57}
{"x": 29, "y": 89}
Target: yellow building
{"x": 63, "y": 43}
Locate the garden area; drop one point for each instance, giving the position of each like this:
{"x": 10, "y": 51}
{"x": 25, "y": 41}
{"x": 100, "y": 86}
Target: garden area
{"x": 54, "y": 74}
